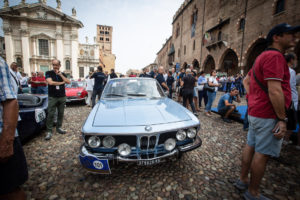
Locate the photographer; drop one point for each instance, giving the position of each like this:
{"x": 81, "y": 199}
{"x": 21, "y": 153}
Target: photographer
{"x": 99, "y": 77}
{"x": 226, "y": 106}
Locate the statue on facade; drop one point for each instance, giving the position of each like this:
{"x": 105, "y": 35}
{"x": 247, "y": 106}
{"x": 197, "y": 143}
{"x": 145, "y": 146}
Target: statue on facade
{"x": 23, "y": 2}
{"x": 6, "y": 3}
{"x": 58, "y": 4}
{"x": 73, "y": 12}
{"x": 43, "y": 1}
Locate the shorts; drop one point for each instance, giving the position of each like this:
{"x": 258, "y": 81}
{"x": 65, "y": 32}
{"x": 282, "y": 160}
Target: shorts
{"x": 224, "y": 110}
{"x": 261, "y": 137}
{"x": 195, "y": 92}
{"x": 14, "y": 171}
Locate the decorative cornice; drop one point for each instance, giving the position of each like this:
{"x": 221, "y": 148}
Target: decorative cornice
{"x": 24, "y": 32}
{"x": 7, "y": 30}
{"x": 41, "y": 7}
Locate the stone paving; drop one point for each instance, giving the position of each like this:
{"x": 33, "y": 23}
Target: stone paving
{"x": 205, "y": 173}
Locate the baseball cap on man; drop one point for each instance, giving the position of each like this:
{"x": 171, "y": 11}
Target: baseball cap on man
{"x": 281, "y": 28}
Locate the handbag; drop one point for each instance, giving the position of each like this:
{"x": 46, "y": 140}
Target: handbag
{"x": 208, "y": 88}
{"x": 290, "y": 112}
{"x": 200, "y": 87}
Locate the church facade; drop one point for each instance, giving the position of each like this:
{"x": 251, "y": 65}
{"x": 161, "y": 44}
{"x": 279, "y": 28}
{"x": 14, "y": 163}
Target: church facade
{"x": 35, "y": 34}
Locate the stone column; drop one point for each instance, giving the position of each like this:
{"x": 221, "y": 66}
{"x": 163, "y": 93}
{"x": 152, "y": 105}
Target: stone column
{"x": 34, "y": 47}
{"x": 74, "y": 55}
{"x": 52, "y": 49}
{"x": 25, "y": 50}
{"x": 9, "y": 47}
{"x": 25, "y": 45}
{"x": 60, "y": 46}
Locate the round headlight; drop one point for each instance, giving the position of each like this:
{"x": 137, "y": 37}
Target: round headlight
{"x": 191, "y": 133}
{"x": 170, "y": 144}
{"x": 124, "y": 149}
{"x": 109, "y": 142}
{"x": 181, "y": 135}
{"x": 94, "y": 141}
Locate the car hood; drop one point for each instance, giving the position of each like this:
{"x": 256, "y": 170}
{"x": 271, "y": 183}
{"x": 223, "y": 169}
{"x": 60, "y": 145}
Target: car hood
{"x": 73, "y": 91}
{"x": 138, "y": 112}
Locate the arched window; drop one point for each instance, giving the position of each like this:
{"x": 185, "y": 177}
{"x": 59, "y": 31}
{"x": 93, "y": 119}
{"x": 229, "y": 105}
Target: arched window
{"x": 279, "y": 6}
{"x": 19, "y": 62}
{"x": 220, "y": 36}
{"x": 177, "y": 30}
{"x": 68, "y": 65}
{"x": 242, "y": 24}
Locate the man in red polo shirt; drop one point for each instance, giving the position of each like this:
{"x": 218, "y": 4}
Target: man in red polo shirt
{"x": 41, "y": 83}
{"x": 267, "y": 118}
{"x": 32, "y": 81}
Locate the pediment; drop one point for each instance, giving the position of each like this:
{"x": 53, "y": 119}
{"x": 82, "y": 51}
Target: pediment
{"x": 38, "y": 12}
{"x": 42, "y": 36}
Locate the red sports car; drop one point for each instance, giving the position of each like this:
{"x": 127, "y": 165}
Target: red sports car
{"x": 75, "y": 91}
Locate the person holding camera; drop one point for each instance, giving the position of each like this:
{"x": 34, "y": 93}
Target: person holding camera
{"x": 99, "y": 78}
{"x": 226, "y": 106}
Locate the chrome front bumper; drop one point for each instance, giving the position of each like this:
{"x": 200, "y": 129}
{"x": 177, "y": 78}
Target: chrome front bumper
{"x": 189, "y": 147}
{"x": 74, "y": 99}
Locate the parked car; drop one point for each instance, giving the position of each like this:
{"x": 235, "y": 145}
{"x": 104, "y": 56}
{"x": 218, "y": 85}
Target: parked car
{"x": 32, "y": 111}
{"x": 75, "y": 91}
{"x": 134, "y": 121}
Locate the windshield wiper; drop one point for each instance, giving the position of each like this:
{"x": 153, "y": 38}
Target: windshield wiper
{"x": 137, "y": 94}
{"x": 114, "y": 95}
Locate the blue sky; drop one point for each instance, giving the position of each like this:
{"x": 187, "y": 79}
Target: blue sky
{"x": 140, "y": 26}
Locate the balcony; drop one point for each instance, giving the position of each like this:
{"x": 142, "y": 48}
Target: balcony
{"x": 217, "y": 41}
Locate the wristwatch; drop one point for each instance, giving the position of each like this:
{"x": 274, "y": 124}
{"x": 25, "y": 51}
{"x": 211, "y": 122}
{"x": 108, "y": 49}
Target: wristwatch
{"x": 283, "y": 120}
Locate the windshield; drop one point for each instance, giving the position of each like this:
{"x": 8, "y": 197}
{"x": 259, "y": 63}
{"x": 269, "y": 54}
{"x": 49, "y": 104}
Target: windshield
{"x": 117, "y": 88}
{"x": 75, "y": 84}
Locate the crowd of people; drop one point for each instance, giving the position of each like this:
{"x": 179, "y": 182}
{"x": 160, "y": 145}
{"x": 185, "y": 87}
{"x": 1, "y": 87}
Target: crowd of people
{"x": 272, "y": 91}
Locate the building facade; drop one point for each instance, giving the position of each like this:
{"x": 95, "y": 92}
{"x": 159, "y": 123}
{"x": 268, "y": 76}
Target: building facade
{"x": 104, "y": 39}
{"x": 226, "y": 35}
{"x": 165, "y": 56}
{"x": 37, "y": 33}
{"x": 88, "y": 58}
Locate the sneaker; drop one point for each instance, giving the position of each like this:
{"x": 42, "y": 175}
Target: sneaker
{"x": 61, "y": 131}
{"x": 48, "y": 135}
{"x": 240, "y": 185}
{"x": 297, "y": 147}
{"x": 249, "y": 196}
{"x": 227, "y": 120}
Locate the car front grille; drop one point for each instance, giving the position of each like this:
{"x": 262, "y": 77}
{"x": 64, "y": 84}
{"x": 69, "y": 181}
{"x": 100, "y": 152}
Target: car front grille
{"x": 148, "y": 142}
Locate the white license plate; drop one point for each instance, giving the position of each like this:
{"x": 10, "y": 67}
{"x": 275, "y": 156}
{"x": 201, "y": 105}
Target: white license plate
{"x": 40, "y": 115}
{"x": 148, "y": 162}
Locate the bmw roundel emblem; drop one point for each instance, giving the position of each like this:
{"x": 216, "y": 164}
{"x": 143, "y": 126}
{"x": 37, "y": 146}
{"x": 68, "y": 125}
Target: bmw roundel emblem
{"x": 148, "y": 128}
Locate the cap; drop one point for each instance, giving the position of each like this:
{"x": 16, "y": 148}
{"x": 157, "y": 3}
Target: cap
{"x": 281, "y": 28}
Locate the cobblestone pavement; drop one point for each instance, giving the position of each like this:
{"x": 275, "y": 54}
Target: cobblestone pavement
{"x": 205, "y": 173}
